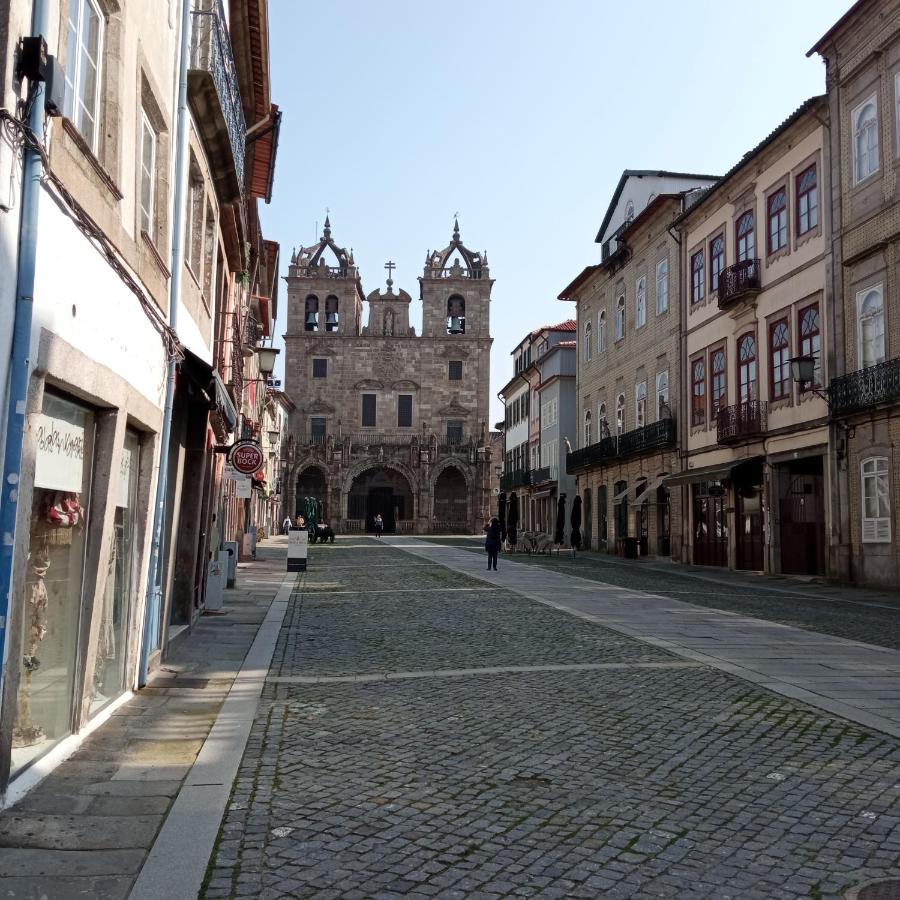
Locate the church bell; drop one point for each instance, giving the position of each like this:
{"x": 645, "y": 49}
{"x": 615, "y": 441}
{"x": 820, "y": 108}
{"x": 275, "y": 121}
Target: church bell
{"x": 331, "y": 321}
{"x": 456, "y": 325}
{"x": 312, "y": 320}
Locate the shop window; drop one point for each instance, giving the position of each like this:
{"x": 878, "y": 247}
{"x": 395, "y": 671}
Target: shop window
{"x": 115, "y": 616}
{"x": 51, "y": 609}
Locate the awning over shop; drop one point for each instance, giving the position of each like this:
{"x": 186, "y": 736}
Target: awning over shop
{"x": 537, "y": 495}
{"x": 708, "y": 473}
{"x": 208, "y": 380}
{"x": 618, "y": 498}
{"x": 650, "y": 489}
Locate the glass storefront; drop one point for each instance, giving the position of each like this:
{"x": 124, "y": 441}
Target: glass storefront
{"x": 115, "y": 600}
{"x": 51, "y": 612}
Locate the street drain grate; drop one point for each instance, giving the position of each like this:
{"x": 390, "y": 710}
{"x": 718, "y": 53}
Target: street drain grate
{"x": 883, "y": 889}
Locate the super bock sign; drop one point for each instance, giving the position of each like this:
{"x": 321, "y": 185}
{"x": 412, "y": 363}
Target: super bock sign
{"x": 246, "y": 457}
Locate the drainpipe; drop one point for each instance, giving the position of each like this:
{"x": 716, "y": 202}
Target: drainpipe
{"x": 154, "y": 576}
{"x": 20, "y": 355}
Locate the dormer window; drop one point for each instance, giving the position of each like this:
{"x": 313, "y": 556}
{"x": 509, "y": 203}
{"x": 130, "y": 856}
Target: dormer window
{"x": 456, "y": 315}
{"x": 311, "y": 321}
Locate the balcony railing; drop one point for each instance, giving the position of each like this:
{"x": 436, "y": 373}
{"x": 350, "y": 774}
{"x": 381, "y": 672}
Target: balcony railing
{"x": 743, "y": 279}
{"x": 539, "y": 476}
{"x": 865, "y": 388}
{"x": 741, "y": 421}
{"x": 655, "y": 436}
{"x": 211, "y": 53}
{"x": 517, "y": 478}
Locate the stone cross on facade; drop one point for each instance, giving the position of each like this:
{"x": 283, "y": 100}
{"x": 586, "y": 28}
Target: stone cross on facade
{"x": 390, "y": 266}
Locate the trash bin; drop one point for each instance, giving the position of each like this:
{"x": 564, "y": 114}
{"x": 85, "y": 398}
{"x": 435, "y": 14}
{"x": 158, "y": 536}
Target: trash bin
{"x": 631, "y": 548}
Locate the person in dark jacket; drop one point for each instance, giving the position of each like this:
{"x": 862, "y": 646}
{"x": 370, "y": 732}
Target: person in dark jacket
{"x": 492, "y": 542}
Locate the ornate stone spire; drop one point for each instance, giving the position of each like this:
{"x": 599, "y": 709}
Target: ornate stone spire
{"x": 456, "y": 229}
{"x": 326, "y": 233}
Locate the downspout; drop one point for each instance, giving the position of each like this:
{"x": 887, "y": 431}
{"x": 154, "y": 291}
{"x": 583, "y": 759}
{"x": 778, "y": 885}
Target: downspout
{"x": 20, "y": 354}
{"x": 154, "y": 580}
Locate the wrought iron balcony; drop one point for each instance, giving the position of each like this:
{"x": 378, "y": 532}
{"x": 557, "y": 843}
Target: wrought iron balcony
{"x": 515, "y": 479}
{"x": 741, "y": 421}
{"x": 865, "y": 388}
{"x": 216, "y": 97}
{"x": 655, "y": 436}
{"x": 539, "y": 476}
{"x": 743, "y": 279}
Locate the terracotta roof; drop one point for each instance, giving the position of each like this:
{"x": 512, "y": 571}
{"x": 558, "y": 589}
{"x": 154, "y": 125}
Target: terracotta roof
{"x": 568, "y": 325}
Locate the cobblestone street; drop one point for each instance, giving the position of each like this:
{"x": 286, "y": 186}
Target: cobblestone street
{"x": 424, "y": 733}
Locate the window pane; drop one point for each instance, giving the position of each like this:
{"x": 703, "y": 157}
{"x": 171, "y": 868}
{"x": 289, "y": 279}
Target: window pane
{"x": 368, "y": 410}
{"x": 455, "y": 371}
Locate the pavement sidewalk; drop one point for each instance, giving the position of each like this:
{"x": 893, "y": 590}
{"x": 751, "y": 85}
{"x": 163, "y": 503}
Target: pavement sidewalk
{"x": 856, "y": 681}
{"x": 87, "y": 829}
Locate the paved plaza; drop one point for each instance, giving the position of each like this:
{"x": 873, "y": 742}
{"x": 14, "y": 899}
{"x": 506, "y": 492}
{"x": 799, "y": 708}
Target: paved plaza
{"x": 429, "y": 729}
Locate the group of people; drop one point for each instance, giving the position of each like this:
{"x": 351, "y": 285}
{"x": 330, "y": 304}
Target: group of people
{"x": 288, "y": 523}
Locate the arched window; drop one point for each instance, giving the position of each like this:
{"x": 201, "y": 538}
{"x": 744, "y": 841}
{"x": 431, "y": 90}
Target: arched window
{"x": 620, "y": 318}
{"x": 588, "y": 434}
{"x": 747, "y": 368}
{"x": 620, "y": 414}
{"x": 311, "y": 320}
{"x": 331, "y": 313}
{"x": 456, "y": 315}
{"x": 698, "y": 392}
{"x": 662, "y": 395}
{"x": 719, "y": 384}
{"x": 716, "y": 260}
{"x": 601, "y": 331}
{"x": 744, "y": 233}
{"x": 640, "y": 302}
{"x": 811, "y": 342}
{"x": 865, "y": 144}
{"x": 588, "y": 342}
{"x": 780, "y": 359}
{"x": 876, "y": 500}
{"x": 871, "y": 327}
{"x": 640, "y": 404}
{"x": 602, "y": 424}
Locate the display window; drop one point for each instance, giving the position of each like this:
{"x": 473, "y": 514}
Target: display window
{"x": 116, "y": 598}
{"x": 54, "y": 577}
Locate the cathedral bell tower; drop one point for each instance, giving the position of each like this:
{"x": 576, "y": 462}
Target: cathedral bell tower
{"x": 324, "y": 291}
{"x": 456, "y": 292}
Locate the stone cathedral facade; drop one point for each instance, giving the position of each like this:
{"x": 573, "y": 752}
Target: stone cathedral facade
{"x": 388, "y": 421}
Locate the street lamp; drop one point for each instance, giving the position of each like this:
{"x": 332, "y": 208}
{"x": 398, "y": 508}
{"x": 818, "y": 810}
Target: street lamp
{"x": 273, "y": 435}
{"x": 266, "y": 359}
{"x": 803, "y": 371}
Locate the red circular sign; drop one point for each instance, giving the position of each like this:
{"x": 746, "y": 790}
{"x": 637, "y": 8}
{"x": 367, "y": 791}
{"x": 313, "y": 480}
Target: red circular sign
{"x": 247, "y": 457}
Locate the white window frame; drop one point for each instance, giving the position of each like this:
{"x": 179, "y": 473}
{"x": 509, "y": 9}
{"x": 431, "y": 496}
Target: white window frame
{"x": 640, "y": 404}
{"x": 857, "y": 133}
{"x": 148, "y": 175}
{"x": 75, "y": 63}
{"x": 640, "y": 302}
{"x": 588, "y": 431}
{"x": 620, "y": 317}
{"x": 662, "y": 286}
{"x": 662, "y": 391}
{"x": 588, "y": 342}
{"x": 601, "y": 331}
{"x": 620, "y": 414}
{"x": 876, "y": 529}
{"x": 601, "y": 420}
{"x": 861, "y": 297}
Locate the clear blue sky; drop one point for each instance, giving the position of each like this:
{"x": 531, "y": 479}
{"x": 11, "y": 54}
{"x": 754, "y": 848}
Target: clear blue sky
{"x": 521, "y": 116}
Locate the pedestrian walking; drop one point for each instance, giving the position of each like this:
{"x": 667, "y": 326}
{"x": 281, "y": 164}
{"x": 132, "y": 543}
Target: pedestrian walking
{"x": 492, "y": 542}
{"x": 286, "y": 525}
{"x": 379, "y": 525}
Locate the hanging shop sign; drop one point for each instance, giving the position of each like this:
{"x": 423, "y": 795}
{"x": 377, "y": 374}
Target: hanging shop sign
{"x": 246, "y": 457}
{"x": 59, "y": 463}
{"x": 243, "y": 488}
